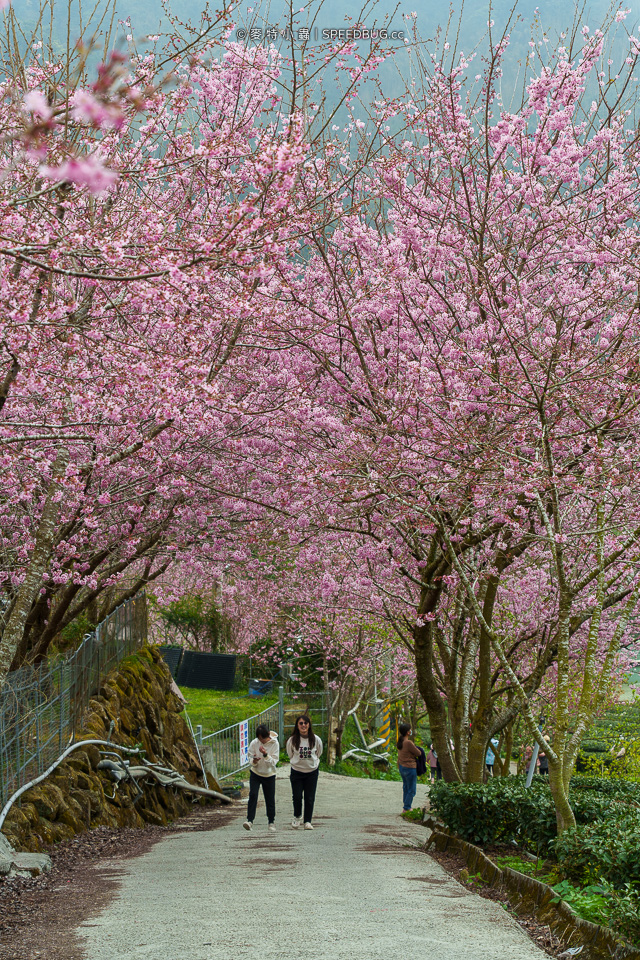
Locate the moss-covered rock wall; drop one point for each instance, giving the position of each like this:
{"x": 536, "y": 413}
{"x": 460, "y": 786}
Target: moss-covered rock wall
{"x": 137, "y": 698}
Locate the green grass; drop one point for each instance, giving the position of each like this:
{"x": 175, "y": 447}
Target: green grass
{"x": 538, "y": 869}
{"x": 216, "y": 709}
{"x": 414, "y": 815}
{"x": 367, "y": 771}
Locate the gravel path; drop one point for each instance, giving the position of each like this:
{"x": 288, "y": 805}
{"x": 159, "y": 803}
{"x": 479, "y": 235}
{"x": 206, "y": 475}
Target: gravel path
{"x": 356, "y": 888}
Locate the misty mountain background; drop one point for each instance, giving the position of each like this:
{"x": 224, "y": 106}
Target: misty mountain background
{"x": 133, "y": 23}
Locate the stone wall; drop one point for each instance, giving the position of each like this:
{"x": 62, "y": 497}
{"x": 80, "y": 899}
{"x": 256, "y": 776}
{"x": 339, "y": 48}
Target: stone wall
{"x": 77, "y": 796}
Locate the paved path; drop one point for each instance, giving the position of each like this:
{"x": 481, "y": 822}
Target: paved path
{"x": 353, "y": 889}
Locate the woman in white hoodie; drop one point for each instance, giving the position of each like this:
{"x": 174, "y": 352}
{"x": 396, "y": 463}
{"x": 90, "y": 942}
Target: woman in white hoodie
{"x": 305, "y": 749}
{"x": 264, "y": 753}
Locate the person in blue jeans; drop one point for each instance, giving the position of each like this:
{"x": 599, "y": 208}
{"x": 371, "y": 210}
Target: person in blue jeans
{"x": 408, "y": 753}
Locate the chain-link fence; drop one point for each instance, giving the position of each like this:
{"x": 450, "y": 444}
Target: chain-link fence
{"x": 41, "y": 707}
{"x": 226, "y": 749}
{"x": 313, "y": 704}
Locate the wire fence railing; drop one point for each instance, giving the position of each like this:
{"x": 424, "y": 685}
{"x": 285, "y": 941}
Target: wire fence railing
{"x": 41, "y": 707}
{"x": 226, "y": 750}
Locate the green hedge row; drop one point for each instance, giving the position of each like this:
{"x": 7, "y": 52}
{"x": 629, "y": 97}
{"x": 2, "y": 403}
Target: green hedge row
{"x": 607, "y": 787}
{"x": 505, "y": 811}
{"x": 608, "y": 850}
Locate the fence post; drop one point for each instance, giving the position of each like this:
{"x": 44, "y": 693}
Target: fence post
{"x": 198, "y": 736}
{"x": 280, "y": 713}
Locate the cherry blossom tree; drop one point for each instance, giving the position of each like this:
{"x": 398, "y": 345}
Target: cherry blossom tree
{"x": 140, "y": 217}
{"x": 127, "y": 281}
{"x": 466, "y": 351}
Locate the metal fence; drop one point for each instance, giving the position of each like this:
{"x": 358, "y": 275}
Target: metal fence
{"x": 41, "y": 707}
{"x": 225, "y": 750}
{"x": 313, "y": 704}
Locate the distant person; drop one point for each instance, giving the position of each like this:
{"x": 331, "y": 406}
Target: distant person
{"x": 543, "y": 764}
{"x": 434, "y": 765}
{"x": 304, "y": 748}
{"x": 408, "y": 753}
{"x": 528, "y": 754}
{"x": 264, "y": 753}
{"x": 490, "y": 757}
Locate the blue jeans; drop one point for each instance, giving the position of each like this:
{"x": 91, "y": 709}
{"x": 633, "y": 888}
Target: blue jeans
{"x": 409, "y": 785}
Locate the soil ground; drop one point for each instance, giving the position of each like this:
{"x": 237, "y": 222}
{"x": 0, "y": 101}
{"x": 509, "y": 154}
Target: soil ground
{"x": 39, "y": 917}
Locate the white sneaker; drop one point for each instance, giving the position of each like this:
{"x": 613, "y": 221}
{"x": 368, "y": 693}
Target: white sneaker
{"x": 271, "y": 828}
{"x": 308, "y": 826}
{"x": 295, "y": 823}
{"x": 248, "y": 825}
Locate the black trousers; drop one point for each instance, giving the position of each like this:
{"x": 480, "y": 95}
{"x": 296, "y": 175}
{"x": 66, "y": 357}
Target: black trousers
{"x": 268, "y": 785}
{"x": 303, "y": 785}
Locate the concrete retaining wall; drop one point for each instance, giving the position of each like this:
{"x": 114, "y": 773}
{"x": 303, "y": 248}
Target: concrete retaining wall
{"x": 528, "y": 895}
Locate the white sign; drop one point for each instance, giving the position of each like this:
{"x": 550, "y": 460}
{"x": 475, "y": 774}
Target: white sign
{"x": 244, "y": 743}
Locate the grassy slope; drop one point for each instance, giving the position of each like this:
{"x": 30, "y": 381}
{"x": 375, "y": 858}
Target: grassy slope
{"x": 216, "y": 709}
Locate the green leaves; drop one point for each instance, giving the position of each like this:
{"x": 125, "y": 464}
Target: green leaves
{"x": 505, "y": 811}
{"x": 590, "y": 903}
{"x": 608, "y": 850}
{"x": 599, "y": 861}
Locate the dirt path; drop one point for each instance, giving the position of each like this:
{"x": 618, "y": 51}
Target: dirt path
{"x": 355, "y": 888}
{"x": 39, "y": 917}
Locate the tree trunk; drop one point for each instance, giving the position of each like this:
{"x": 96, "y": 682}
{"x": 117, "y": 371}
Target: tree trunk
{"x": 40, "y": 559}
{"x": 565, "y": 819}
{"x": 423, "y": 645}
{"x": 504, "y": 766}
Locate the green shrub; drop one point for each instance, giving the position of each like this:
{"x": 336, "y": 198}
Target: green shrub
{"x": 368, "y": 771}
{"x": 590, "y": 903}
{"x": 613, "y": 787}
{"x": 625, "y": 911}
{"x": 505, "y": 811}
{"x": 608, "y": 850}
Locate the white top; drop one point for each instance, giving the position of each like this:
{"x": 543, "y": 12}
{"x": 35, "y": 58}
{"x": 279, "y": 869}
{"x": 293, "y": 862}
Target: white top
{"x": 307, "y": 758}
{"x": 266, "y": 766}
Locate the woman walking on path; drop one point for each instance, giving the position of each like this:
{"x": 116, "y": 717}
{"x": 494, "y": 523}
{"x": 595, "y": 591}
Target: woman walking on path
{"x": 264, "y": 753}
{"x": 407, "y": 755}
{"x": 304, "y": 748}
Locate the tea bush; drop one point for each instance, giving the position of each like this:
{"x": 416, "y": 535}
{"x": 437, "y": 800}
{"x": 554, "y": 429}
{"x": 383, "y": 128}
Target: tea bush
{"x": 598, "y": 863}
{"x": 608, "y": 850}
{"x": 505, "y": 811}
{"x": 616, "y": 788}
{"x": 625, "y": 911}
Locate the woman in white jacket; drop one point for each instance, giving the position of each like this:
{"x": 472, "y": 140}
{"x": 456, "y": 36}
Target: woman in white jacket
{"x": 264, "y": 753}
{"x": 304, "y": 748}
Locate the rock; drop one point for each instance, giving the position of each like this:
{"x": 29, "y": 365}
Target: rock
{"x": 79, "y": 760}
{"x": 46, "y": 797}
{"x": 30, "y": 864}
{"x": 157, "y": 819}
{"x": 138, "y": 701}
{"x": 6, "y": 850}
{"x": 93, "y": 753}
{"x": 46, "y": 831}
{"x": 24, "y": 864}
{"x": 127, "y": 721}
{"x": 84, "y": 782}
{"x": 72, "y": 815}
